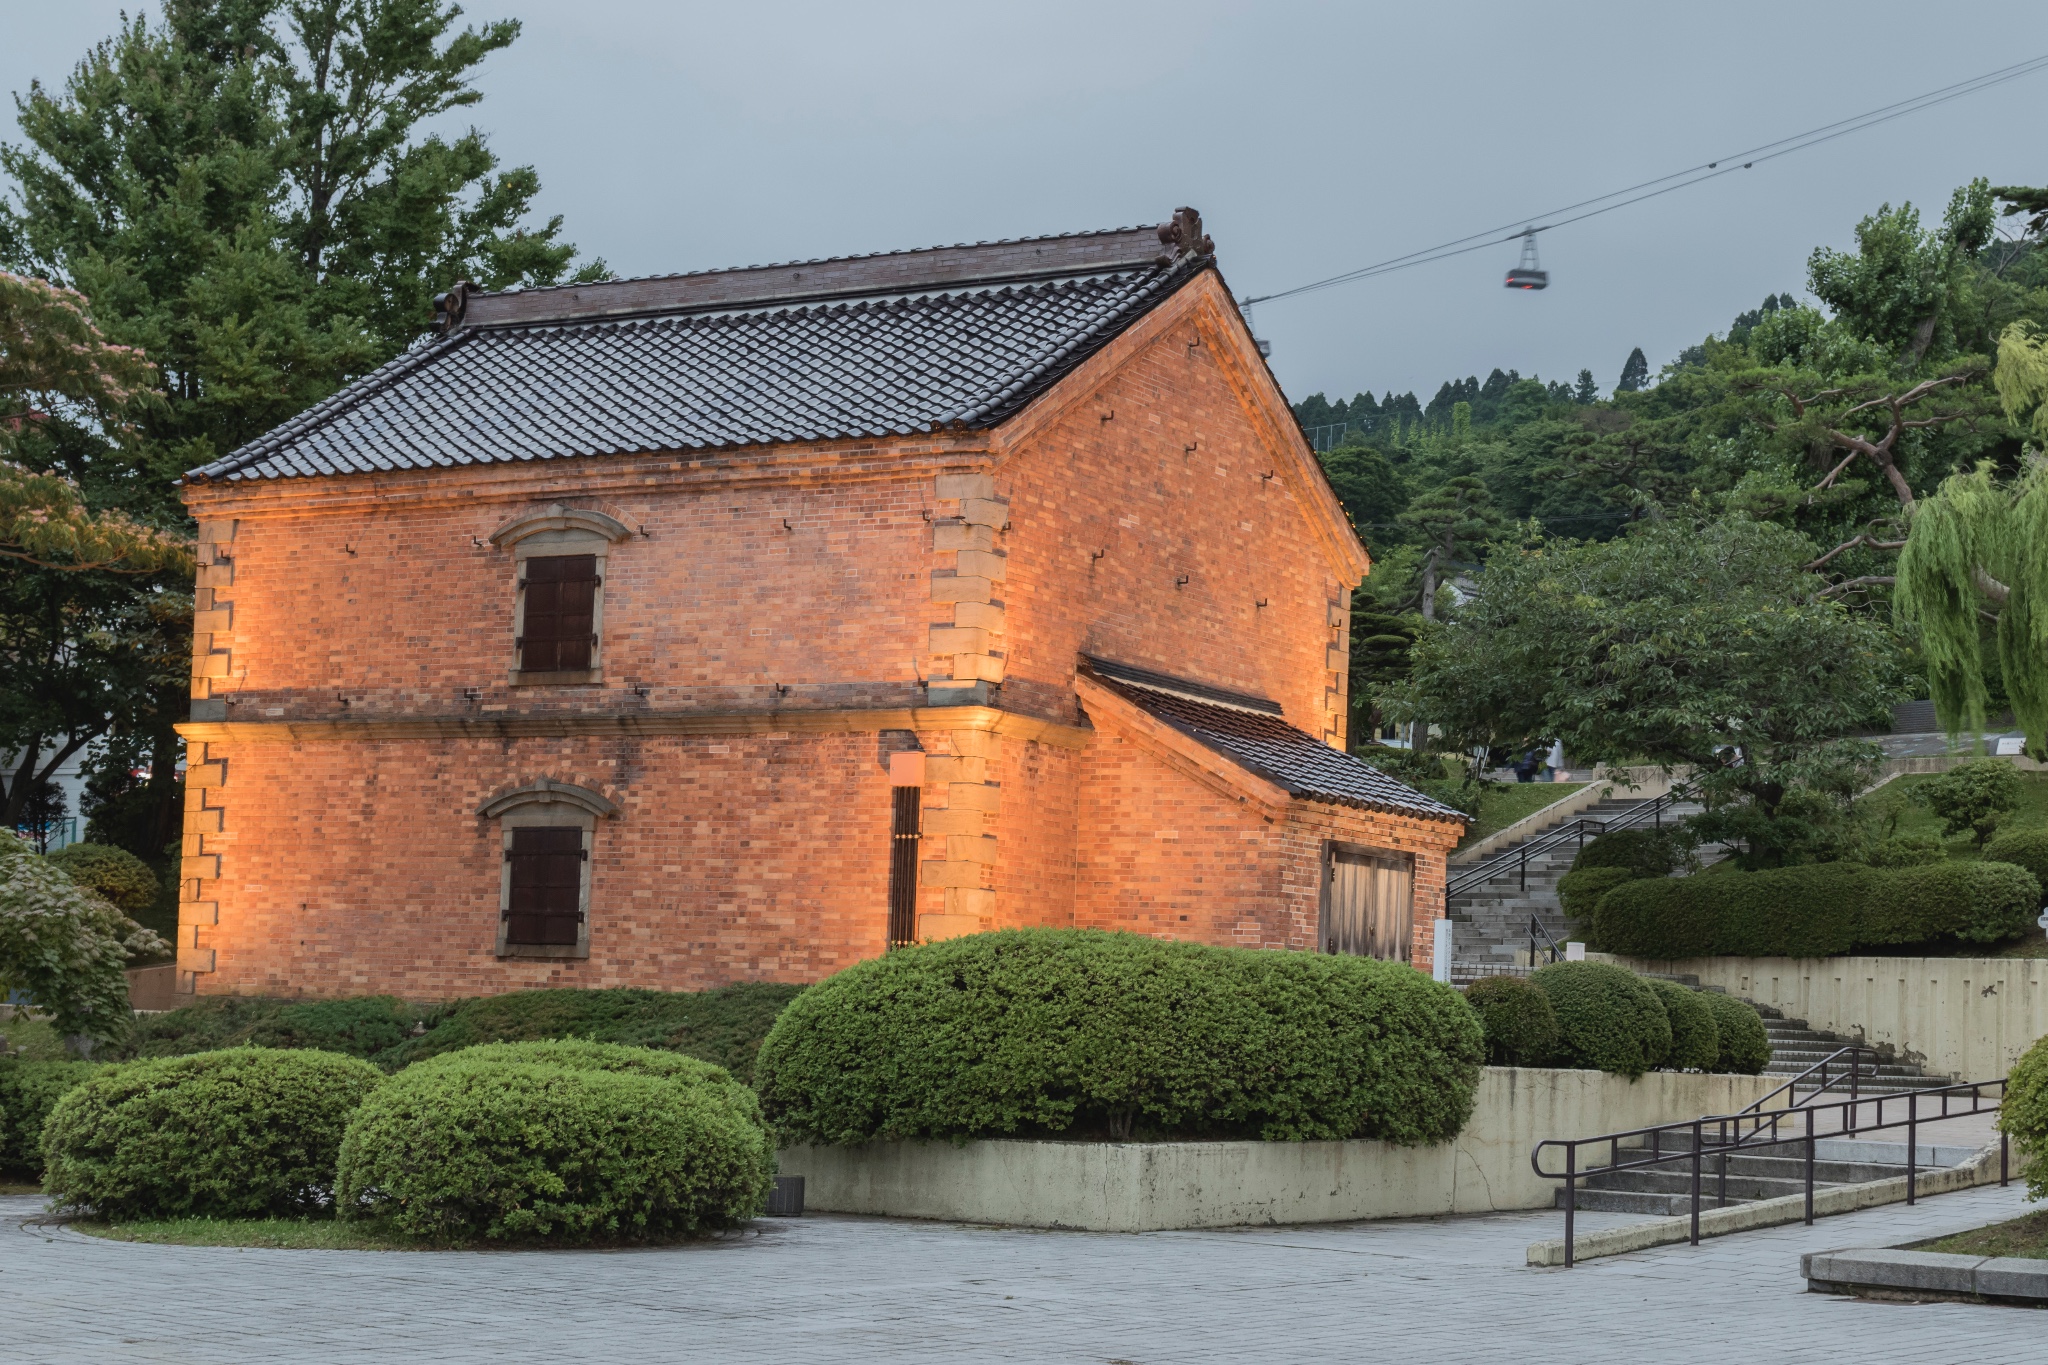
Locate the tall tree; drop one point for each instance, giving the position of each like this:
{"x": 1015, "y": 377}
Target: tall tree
{"x": 1635, "y": 372}
{"x": 1453, "y": 522}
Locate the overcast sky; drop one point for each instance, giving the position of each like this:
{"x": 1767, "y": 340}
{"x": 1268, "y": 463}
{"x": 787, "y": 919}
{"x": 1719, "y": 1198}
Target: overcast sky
{"x": 1314, "y": 138}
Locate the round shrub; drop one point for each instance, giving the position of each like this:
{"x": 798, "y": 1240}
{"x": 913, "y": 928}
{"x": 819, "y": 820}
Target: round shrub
{"x": 565, "y": 1142}
{"x": 1521, "y": 1027}
{"x": 28, "y": 1091}
{"x": 1695, "y": 1036}
{"x": 2024, "y": 1115}
{"x": 1607, "y": 1018}
{"x": 1904, "y": 850}
{"x": 115, "y": 873}
{"x": 1044, "y": 1031}
{"x": 1643, "y": 852}
{"x": 2026, "y": 848}
{"x": 1745, "y": 1045}
{"x": 242, "y": 1133}
{"x": 1578, "y": 891}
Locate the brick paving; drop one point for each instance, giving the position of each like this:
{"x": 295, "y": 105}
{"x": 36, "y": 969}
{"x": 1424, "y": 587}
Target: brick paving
{"x": 828, "y": 1289}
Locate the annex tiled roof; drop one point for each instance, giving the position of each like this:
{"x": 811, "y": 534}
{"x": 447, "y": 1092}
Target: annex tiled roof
{"x": 696, "y": 362}
{"x": 1249, "y": 731}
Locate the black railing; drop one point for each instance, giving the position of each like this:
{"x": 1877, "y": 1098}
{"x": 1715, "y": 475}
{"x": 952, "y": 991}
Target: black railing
{"x": 1575, "y": 831}
{"x": 1843, "y": 1064}
{"x": 1720, "y": 1135}
{"x": 1536, "y": 930}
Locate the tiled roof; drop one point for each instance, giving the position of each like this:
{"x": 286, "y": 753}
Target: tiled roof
{"x": 1248, "y": 731}
{"x": 893, "y": 365}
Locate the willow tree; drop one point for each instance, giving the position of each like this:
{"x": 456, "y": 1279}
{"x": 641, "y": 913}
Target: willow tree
{"x": 1978, "y": 552}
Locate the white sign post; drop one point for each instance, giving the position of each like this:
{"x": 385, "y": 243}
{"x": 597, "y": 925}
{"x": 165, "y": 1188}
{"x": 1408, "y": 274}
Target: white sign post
{"x": 1440, "y": 959}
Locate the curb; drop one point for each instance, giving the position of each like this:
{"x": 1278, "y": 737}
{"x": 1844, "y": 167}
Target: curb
{"x": 1981, "y": 1169}
{"x": 1893, "y": 1272}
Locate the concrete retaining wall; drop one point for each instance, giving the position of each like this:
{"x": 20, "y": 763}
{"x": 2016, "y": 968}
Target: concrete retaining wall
{"x": 1145, "y": 1186}
{"x": 1968, "y": 1018}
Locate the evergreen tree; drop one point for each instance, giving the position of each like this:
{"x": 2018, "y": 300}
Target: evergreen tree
{"x": 1454, "y": 522}
{"x": 1634, "y": 373}
{"x": 1587, "y": 392}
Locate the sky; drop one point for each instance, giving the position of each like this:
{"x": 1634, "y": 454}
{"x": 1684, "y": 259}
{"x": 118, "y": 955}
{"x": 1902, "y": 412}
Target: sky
{"x": 1314, "y": 138}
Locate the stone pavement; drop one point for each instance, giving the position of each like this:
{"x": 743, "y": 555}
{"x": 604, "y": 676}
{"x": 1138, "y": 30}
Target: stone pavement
{"x": 829, "y": 1289}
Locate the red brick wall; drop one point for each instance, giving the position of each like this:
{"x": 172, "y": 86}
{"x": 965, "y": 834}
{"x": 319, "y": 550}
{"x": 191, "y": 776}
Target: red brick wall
{"x": 353, "y": 868}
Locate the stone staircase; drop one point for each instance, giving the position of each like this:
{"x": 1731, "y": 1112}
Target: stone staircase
{"x": 1767, "y": 1172}
{"x": 1795, "y": 1047}
{"x": 1491, "y": 919}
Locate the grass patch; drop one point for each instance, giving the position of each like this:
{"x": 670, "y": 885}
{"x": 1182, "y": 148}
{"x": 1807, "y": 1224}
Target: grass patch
{"x": 288, "y": 1234}
{"x": 1505, "y": 805}
{"x": 32, "y": 1039}
{"x": 2026, "y": 1236}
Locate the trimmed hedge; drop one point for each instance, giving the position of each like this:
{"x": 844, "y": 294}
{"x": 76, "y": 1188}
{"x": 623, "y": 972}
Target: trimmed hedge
{"x": 567, "y": 1142}
{"x": 1087, "y": 1032}
{"x": 1641, "y": 852}
{"x": 1818, "y": 910}
{"x": 28, "y": 1091}
{"x": 2024, "y": 1115}
{"x": 115, "y": 874}
{"x": 2026, "y": 848}
{"x": 1520, "y": 1025}
{"x": 1608, "y": 1018}
{"x": 1578, "y": 891}
{"x": 1745, "y": 1045}
{"x": 1695, "y": 1036}
{"x": 242, "y": 1133}
{"x": 1906, "y": 850}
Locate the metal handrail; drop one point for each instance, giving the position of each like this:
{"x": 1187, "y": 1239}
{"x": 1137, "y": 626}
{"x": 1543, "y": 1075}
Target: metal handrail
{"x": 1577, "y": 829}
{"x": 1855, "y": 1052}
{"x": 1535, "y": 928}
{"x": 1711, "y": 1136}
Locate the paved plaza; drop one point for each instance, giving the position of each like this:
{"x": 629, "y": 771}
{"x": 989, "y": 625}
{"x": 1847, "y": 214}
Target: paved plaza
{"x": 853, "y": 1289}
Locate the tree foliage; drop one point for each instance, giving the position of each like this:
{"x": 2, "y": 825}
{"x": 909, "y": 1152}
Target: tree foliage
{"x": 64, "y": 947}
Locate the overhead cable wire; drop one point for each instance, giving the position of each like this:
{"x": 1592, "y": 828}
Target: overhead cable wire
{"x": 1664, "y": 184}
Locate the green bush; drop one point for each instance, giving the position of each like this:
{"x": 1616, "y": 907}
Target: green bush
{"x": 114, "y": 873}
{"x": 1521, "y": 1027}
{"x": 723, "y": 1026}
{"x": 1695, "y": 1035}
{"x": 1643, "y": 852}
{"x": 2026, "y": 848}
{"x": 1905, "y": 850}
{"x": 1051, "y": 1031}
{"x": 1579, "y": 890}
{"x": 358, "y": 1026}
{"x": 1973, "y": 797}
{"x": 2024, "y": 1116}
{"x": 1745, "y": 1045}
{"x": 28, "y": 1091}
{"x": 1816, "y": 910}
{"x": 1607, "y": 1018}
{"x": 556, "y": 1141}
{"x": 241, "y": 1133}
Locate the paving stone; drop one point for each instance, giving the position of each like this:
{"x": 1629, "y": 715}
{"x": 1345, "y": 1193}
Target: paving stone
{"x": 852, "y": 1289}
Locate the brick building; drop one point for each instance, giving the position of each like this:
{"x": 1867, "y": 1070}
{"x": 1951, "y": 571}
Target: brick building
{"x": 674, "y": 631}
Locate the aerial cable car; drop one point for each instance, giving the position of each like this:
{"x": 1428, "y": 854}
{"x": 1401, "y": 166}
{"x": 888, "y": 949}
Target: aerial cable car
{"x": 1529, "y": 274}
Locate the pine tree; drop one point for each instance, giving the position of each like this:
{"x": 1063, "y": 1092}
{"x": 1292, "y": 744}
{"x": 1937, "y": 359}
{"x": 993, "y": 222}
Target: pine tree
{"x": 1635, "y": 373}
{"x": 1587, "y": 391}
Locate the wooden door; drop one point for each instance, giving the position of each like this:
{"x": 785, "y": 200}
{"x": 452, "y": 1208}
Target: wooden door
{"x": 1368, "y": 899}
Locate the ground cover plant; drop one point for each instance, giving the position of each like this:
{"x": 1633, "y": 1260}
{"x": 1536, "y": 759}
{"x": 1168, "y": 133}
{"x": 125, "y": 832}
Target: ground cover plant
{"x": 1503, "y": 804}
{"x": 1915, "y": 818}
{"x": 1084, "y": 1033}
{"x": 239, "y": 1133}
{"x": 1816, "y": 910}
{"x": 1608, "y": 1018}
{"x": 558, "y": 1142}
{"x": 2027, "y": 1236}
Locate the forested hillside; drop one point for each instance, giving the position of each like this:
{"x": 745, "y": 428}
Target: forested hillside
{"x": 1907, "y": 361}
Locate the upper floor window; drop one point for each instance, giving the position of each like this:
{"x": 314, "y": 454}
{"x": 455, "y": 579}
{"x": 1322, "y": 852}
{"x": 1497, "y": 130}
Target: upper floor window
{"x": 560, "y": 553}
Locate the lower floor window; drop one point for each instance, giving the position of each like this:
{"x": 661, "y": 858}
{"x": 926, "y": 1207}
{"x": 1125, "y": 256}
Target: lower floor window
{"x": 544, "y": 888}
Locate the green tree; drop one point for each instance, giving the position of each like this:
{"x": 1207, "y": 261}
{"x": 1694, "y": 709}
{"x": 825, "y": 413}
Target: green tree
{"x": 1371, "y": 490}
{"x": 1454, "y": 523}
{"x": 65, "y": 948}
{"x": 1635, "y": 372}
{"x": 1972, "y": 798}
{"x": 1902, "y": 287}
{"x": 1703, "y": 645}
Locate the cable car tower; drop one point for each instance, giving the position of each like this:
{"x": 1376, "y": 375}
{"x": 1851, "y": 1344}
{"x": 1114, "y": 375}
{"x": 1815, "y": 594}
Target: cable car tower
{"x": 1529, "y": 273}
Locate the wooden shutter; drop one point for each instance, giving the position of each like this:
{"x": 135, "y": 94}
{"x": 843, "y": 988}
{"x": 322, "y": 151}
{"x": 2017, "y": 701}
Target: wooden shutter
{"x": 546, "y": 901}
{"x": 558, "y": 630}
{"x": 1368, "y": 903}
{"x": 903, "y": 840}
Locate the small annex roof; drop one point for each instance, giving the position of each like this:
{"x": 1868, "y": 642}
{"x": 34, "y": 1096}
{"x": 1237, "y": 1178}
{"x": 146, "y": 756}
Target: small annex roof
{"x": 1249, "y": 731}
{"x": 895, "y": 344}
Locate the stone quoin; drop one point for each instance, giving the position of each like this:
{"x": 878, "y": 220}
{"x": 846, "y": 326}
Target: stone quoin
{"x": 735, "y": 625}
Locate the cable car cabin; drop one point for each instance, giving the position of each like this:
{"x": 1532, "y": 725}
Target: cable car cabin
{"x": 1528, "y": 279}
